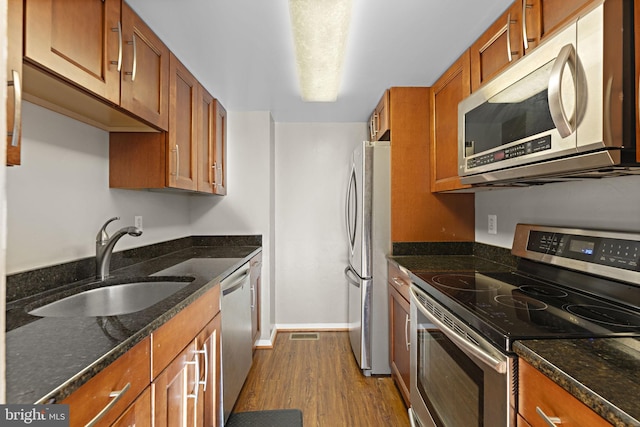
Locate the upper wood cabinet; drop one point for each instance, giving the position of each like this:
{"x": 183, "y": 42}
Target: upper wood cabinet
{"x": 14, "y": 79}
{"x": 451, "y": 88}
{"x": 182, "y": 148}
{"x": 380, "y": 120}
{"x": 103, "y": 48}
{"x": 189, "y": 156}
{"x": 498, "y": 47}
{"x": 417, "y": 214}
{"x": 543, "y": 17}
{"x": 144, "y": 80}
{"x": 212, "y": 144}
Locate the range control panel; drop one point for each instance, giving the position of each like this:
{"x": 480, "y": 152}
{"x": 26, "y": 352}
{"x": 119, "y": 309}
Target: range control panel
{"x": 613, "y": 252}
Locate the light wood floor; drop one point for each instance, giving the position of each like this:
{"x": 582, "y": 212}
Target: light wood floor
{"x": 321, "y": 378}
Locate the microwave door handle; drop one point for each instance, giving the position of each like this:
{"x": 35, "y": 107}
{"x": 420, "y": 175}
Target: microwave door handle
{"x": 495, "y": 364}
{"x": 566, "y": 56}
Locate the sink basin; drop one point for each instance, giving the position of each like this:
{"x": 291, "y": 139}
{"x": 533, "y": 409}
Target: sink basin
{"x": 111, "y": 300}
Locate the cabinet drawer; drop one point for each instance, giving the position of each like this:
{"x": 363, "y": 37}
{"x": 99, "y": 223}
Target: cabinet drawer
{"x": 535, "y": 391}
{"x": 128, "y": 376}
{"x": 172, "y": 337}
{"x": 399, "y": 279}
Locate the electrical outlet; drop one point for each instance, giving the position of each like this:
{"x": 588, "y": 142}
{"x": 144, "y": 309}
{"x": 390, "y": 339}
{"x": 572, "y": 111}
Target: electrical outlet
{"x": 137, "y": 221}
{"x": 492, "y": 224}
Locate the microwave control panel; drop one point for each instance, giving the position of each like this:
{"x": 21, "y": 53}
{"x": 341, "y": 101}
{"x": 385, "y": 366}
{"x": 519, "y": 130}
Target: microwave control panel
{"x": 530, "y": 147}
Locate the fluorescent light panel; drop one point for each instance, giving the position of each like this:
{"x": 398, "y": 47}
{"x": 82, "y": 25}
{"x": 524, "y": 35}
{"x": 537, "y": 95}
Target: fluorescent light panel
{"x": 320, "y": 29}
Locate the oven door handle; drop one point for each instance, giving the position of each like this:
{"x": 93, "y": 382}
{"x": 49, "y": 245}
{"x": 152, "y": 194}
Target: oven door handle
{"x": 464, "y": 345}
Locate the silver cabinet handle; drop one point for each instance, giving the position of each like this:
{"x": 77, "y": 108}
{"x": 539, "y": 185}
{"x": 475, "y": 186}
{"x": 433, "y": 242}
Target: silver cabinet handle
{"x": 376, "y": 123}
{"x": 177, "y": 151}
{"x": 206, "y": 366}
{"x": 509, "y": 51}
{"x": 525, "y": 37}
{"x": 406, "y": 331}
{"x": 215, "y": 173}
{"x": 196, "y": 387}
{"x": 119, "y": 61}
{"x": 17, "y": 108}
{"x": 551, "y": 421}
{"x": 567, "y": 56}
{"x": 253, "y": 297}
{"x": 116, "y": 396}
{"x": 134, "y": 70}
{"x": 399, "y": 281}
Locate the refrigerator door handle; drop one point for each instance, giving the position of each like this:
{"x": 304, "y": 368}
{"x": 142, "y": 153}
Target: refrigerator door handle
{"x": 351, "y": 228}
{"x": 348, "y": 272}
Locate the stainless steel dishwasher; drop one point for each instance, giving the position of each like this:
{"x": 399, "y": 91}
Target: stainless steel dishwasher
{"x": 237, "y": 353}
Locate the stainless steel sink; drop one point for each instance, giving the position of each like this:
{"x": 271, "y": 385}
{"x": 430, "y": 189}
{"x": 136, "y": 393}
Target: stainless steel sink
{"x": 111, "y": 300}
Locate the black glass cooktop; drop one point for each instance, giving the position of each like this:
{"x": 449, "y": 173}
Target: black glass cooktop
{"x": 510, "y": 305}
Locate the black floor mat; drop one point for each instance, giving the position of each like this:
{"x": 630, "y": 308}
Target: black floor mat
{"x": 272, "y": 418}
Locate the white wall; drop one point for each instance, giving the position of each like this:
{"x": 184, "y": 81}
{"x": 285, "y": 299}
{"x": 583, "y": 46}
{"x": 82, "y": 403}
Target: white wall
{"x": 248, "y": 206}
{"x": 59, "y": 197}
{"x": 611, "y": 203}
{"x": 311, "y": 176}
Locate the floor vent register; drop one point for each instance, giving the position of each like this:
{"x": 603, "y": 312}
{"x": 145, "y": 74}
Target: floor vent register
{"x": 304, "y": 336}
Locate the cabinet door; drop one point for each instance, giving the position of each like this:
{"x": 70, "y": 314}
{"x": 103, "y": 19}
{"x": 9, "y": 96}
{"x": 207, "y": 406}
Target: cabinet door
{"x": 498, "y": 47}
{"x": 14, "y": 77}
{"x": 536, "y": 392}
{"x": 208, "y": 341}
{"x": 399, "y": 342}
{"x": 145, "y": 71}
{"x": 380, "y": 121}
{"x": 77, "y": 40}
{"x": 206, "y": 140}
{"x": 182, "y": 140}
{"x": 220, "y": 151}
{"x": 175, "y": 391}
{"x": 138, "y": 414}
{"x": 256, "y": 273}
{"x": 543, "y": 17}
{"x": 114, "y": 389}
{"x": 451, "y": 88}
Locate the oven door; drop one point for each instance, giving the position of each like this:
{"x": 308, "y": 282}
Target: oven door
{"x": 458, "y": 379}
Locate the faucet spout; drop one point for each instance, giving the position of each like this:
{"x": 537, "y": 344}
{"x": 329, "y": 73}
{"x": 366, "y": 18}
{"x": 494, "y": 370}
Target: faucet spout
{"x": 105, "y": 245}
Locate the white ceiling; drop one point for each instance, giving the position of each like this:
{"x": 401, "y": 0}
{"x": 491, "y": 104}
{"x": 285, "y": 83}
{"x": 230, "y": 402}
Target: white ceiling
{"x": 242, "y": 50}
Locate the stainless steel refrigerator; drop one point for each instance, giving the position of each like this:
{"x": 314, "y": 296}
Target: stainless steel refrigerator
{"x": 367, "y": 211}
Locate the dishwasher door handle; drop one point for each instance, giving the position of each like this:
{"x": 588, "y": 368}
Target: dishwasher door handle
{"x": 236, "y": 285}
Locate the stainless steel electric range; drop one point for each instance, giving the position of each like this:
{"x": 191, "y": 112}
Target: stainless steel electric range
{"x": 570, "y": 283}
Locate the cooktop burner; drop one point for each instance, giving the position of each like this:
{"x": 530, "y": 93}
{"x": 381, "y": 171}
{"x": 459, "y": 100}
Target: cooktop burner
{"x": 616, "y": 317}
{"x": 463, "y": 282}
{"x": 520, "y": 302}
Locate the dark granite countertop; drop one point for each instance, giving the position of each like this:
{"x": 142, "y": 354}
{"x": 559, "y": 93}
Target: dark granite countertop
{"x": 602, "y": 373}
{"x": 49, "y": 358}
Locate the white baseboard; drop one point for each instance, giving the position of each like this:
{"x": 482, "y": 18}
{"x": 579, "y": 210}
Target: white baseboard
{"x": 268, "y": 343}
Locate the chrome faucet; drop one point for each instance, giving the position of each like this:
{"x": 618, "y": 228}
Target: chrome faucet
{"x": 105, "y": 244}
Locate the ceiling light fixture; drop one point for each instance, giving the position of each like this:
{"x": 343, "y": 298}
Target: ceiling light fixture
{"x": 320, "y": 29}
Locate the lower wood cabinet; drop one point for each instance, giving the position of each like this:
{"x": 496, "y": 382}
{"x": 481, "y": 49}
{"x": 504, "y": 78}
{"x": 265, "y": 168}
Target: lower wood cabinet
{"x": 540, "y": 397}
{"x": 176, "y": 391}
{"x": 139, "y": 413}
{"x": 170, "y": 379}
{"x": 399, "y": 345}
{"x": 255, "y": 274}
{"x": 108, "y": 394}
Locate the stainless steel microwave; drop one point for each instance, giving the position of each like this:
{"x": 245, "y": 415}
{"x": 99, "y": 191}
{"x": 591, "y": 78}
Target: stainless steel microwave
{"x": 565, "y": 110}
